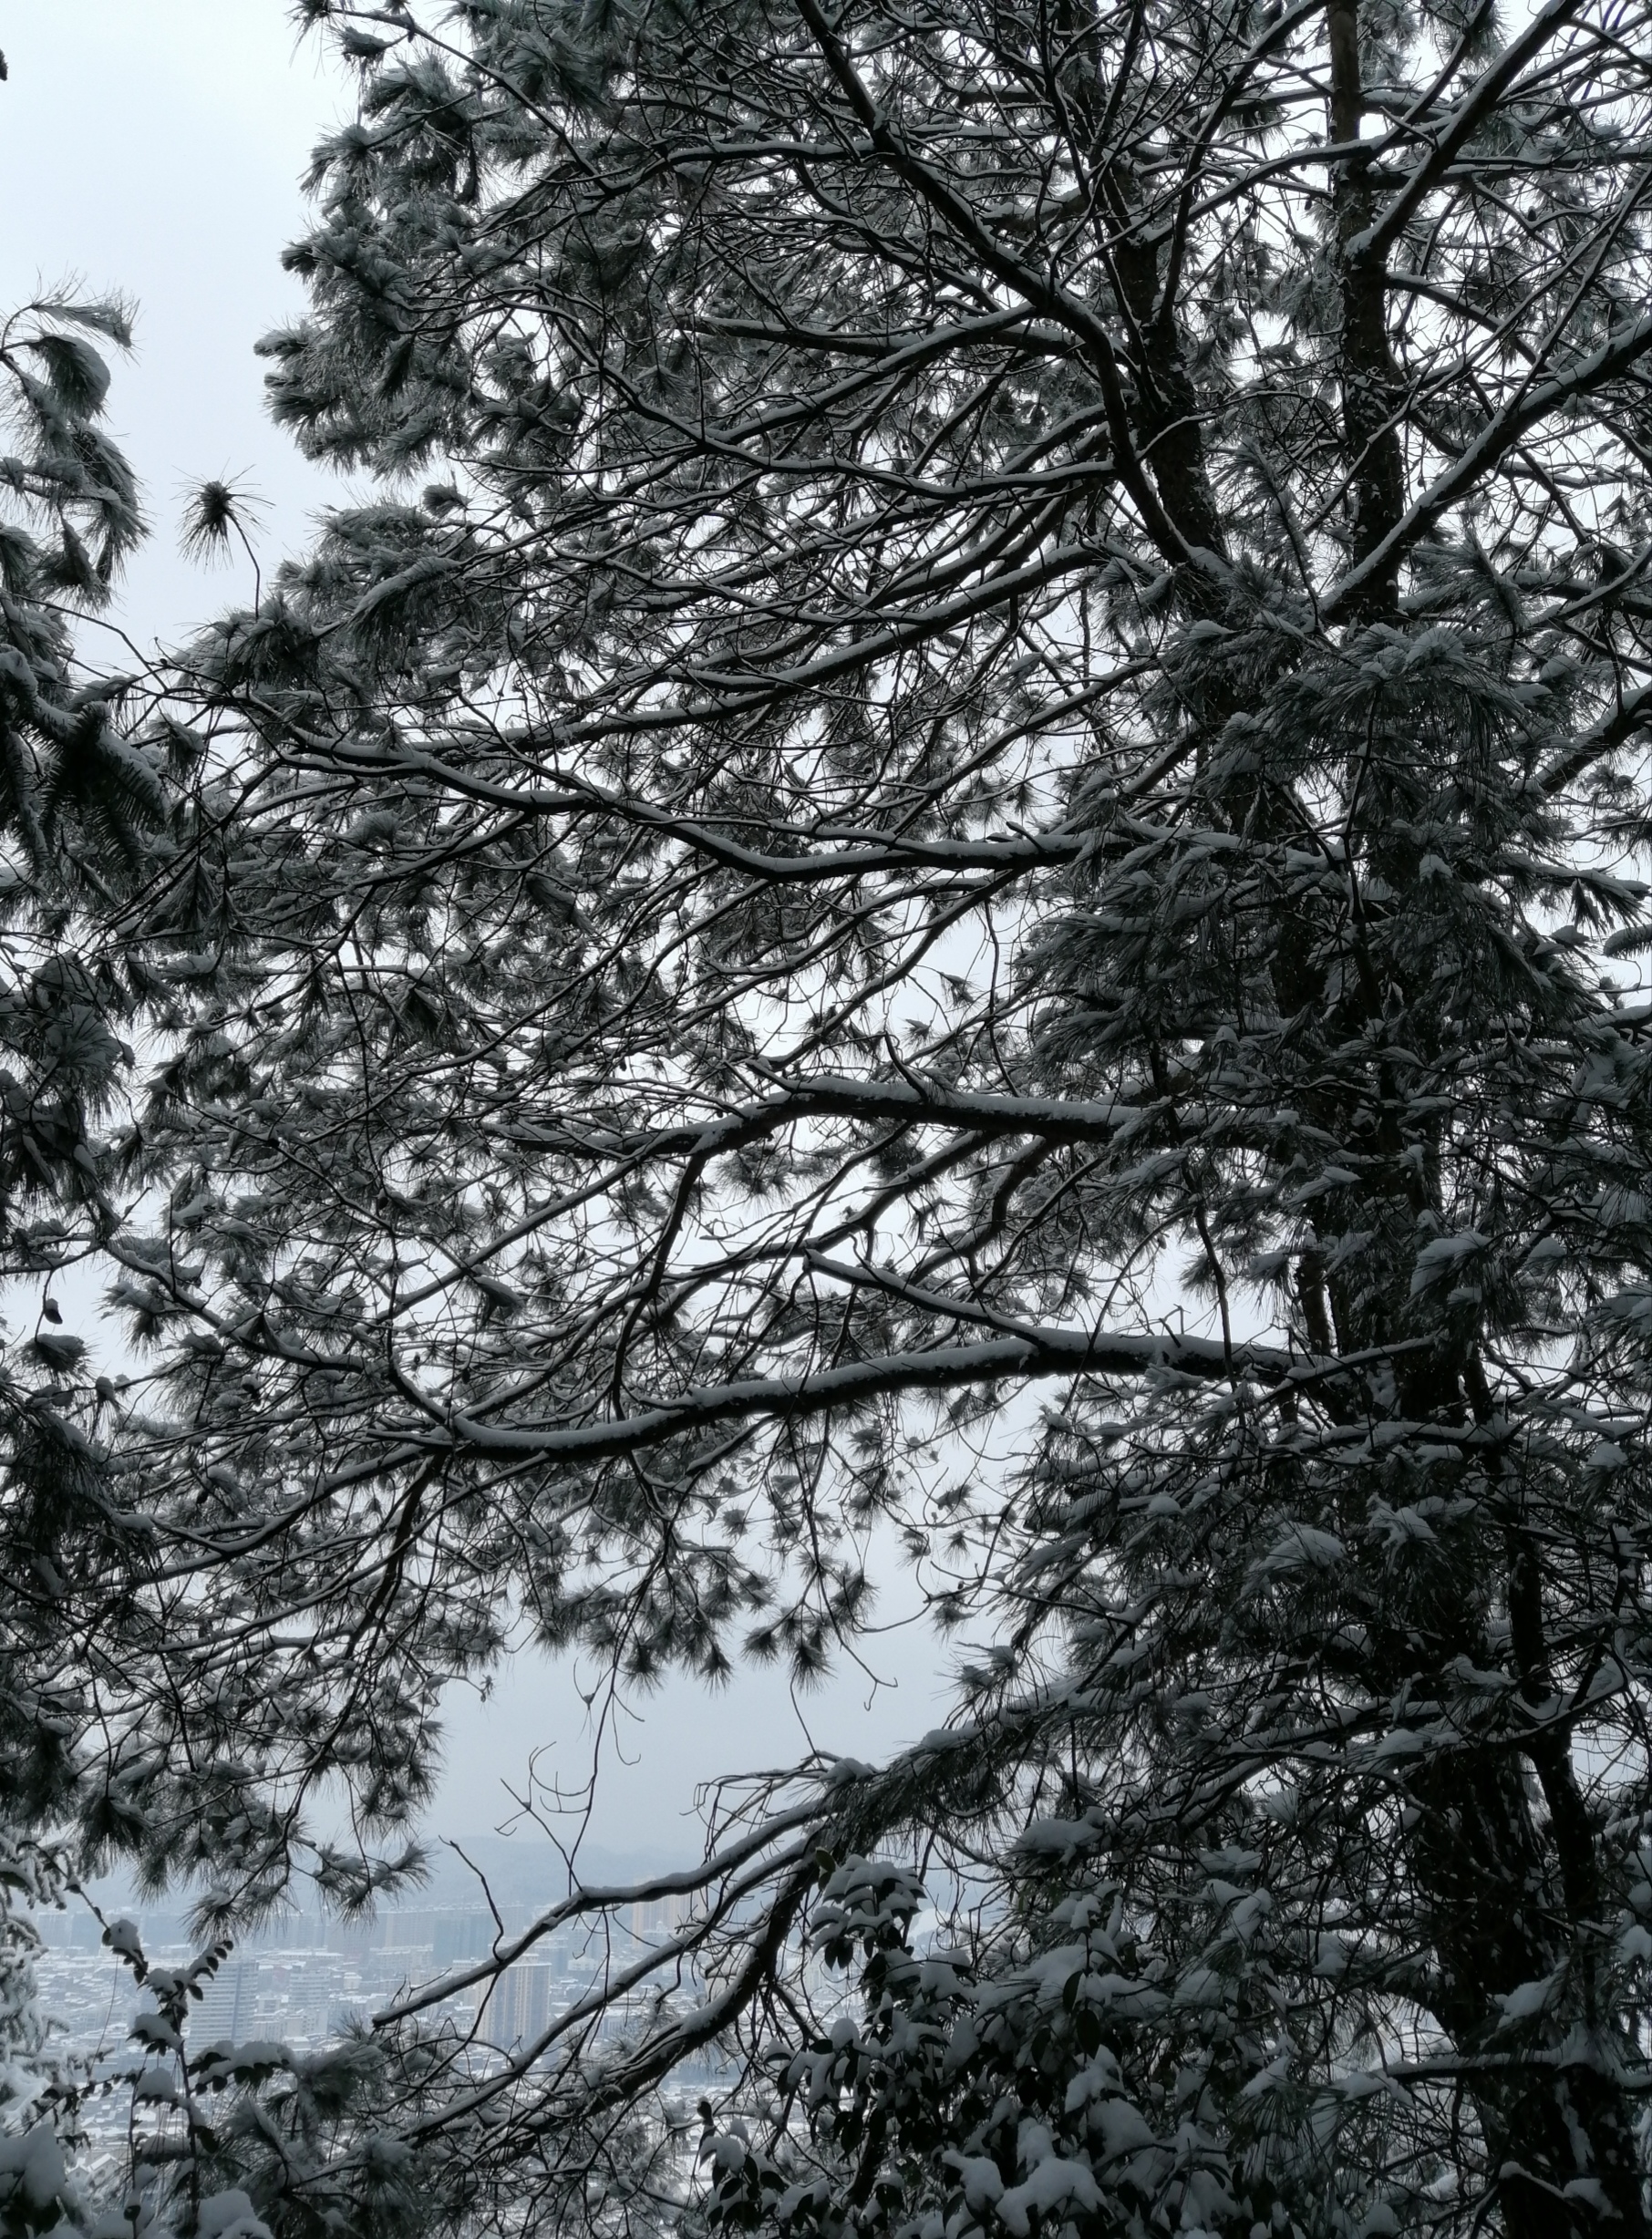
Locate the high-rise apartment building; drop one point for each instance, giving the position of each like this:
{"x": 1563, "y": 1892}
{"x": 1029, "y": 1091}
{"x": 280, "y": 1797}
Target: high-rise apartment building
{"x": 519, "y": 2006}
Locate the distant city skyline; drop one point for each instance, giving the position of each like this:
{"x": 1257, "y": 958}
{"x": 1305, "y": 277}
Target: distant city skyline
{"x": 299, "y": 1982}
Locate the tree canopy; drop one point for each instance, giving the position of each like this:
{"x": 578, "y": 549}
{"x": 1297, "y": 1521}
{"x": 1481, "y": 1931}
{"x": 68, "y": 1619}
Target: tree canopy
{"x": 956, "y": 863}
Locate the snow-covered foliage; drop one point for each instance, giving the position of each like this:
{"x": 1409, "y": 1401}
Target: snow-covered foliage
{"x": 79, "y": 803}
{"x": 81, "y": 807}
{"x": 960, "y": 853}
{"x": 30, "y": 1880}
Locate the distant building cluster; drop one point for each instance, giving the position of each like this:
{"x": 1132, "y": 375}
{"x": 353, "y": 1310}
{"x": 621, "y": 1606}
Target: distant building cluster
{"x": 301, "y": 1982}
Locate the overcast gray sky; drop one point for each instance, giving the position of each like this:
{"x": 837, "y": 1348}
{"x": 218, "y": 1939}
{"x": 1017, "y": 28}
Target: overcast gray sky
{"x": 155, "y": 147}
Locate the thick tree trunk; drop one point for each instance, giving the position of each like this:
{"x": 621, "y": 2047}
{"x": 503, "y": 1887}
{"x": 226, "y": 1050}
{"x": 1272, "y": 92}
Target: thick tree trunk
{"x": 1369, "y": 378}
{"x": 1490, "y": 1912}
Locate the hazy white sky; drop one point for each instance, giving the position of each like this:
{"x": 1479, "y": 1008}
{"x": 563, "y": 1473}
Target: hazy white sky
{"x": 155, "y": 147}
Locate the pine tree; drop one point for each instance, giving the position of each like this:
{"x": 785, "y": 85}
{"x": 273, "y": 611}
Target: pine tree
{"x": 81, "y": 807}
{"x": 974, "y": 861}
{"x": 79, "y": 802}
